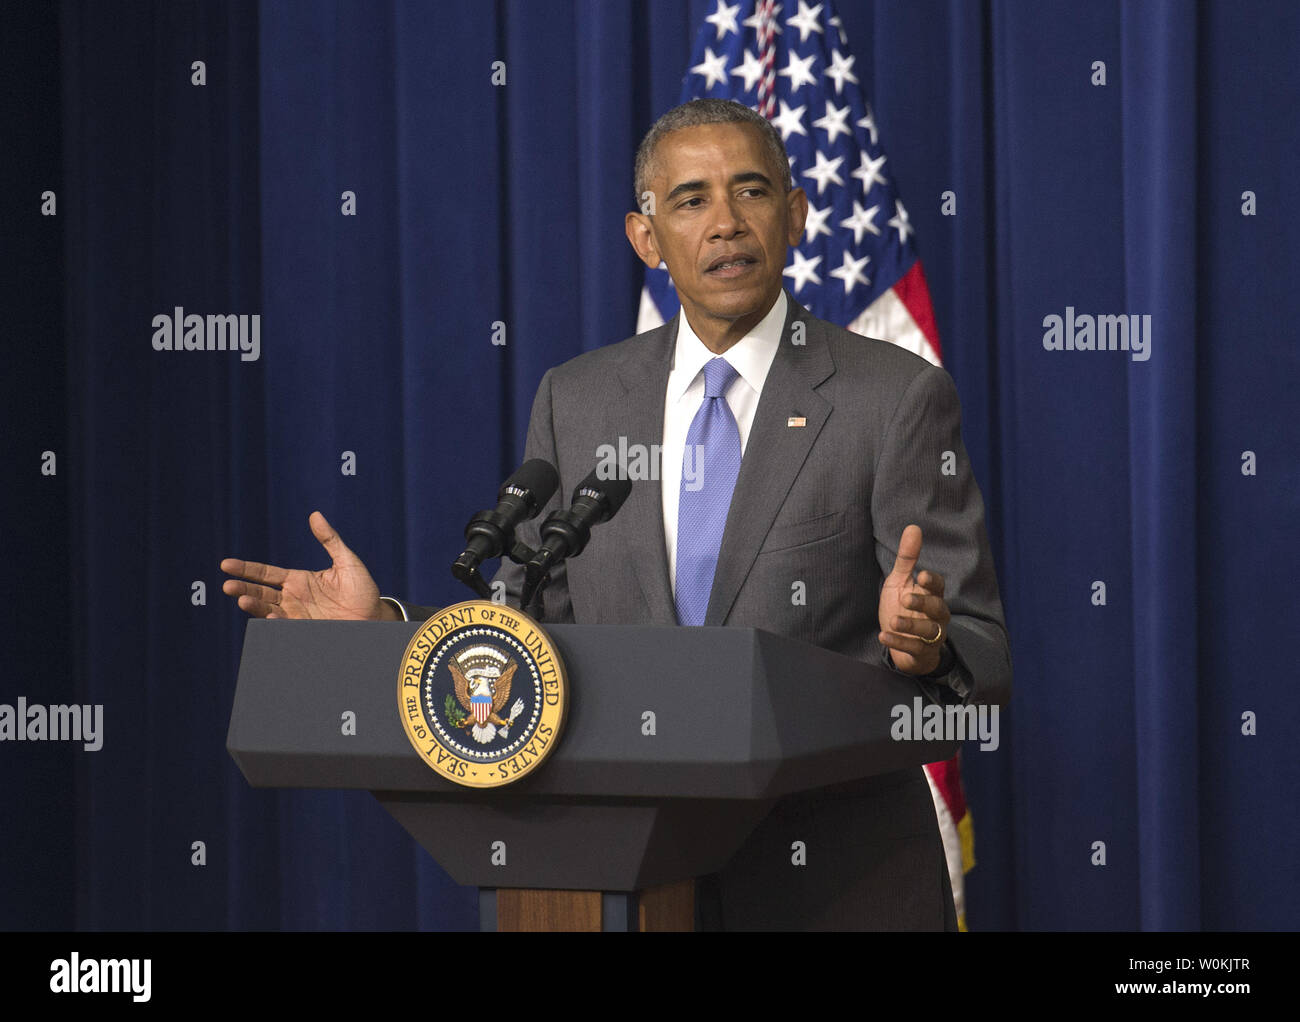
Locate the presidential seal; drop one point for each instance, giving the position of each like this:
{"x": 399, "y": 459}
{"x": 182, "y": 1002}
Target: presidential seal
{"x": 482, "y": 694}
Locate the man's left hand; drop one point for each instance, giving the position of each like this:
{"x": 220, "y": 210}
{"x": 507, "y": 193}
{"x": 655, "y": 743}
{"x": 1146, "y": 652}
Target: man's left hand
{"x": 912, "y": 611}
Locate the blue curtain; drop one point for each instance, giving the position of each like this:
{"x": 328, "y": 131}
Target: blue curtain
{"x": 480, "y": 205}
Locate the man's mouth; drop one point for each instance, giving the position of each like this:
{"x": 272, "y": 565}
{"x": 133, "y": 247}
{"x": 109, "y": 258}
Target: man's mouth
{"x": 728, "y": 266}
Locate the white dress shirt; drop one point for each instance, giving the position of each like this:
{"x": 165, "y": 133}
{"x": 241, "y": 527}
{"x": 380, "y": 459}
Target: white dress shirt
{"x": 751, "y": 357}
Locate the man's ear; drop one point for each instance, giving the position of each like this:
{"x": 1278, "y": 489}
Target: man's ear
{"x": 797, "y": 207}
{"x": 641, "y": 235}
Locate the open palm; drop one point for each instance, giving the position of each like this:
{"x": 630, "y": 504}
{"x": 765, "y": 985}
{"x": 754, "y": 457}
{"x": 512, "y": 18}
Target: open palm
{"x": 342, "y": 592}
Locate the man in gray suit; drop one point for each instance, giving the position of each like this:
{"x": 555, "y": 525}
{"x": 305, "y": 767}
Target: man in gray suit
{"x": 797, "y": 458}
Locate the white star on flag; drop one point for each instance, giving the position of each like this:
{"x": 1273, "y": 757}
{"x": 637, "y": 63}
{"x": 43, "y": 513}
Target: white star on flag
{"x": 816, "y": 222}
{"x": 851, "y": 272}
{"x": 789, "y": 122}
{"x": 803, "y": 270}
{"x": 798, "y": 72}
{"x": 714, "y": 69}
{"x": 825, "y": 171}
{"x": 900, "y": 222}
{"x": 861, "y": 221}
{"x": 838, "y": 25}
{"x": 724, "y": 19}
{"x": 841, "y": 71}
{"x": 834, "y": 122}
{"x": 750, "y": 69}
{"x": 869, "y": 172}
{"x": 805, "y": 21}
{"x": 869, "y": 122}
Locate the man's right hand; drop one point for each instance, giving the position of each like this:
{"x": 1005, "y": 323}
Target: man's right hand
{"x": 342, "y": 592}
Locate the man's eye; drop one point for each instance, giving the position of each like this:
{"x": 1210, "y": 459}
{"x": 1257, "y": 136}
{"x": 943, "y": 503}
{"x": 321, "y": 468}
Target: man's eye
{"x": 689, "y": 203}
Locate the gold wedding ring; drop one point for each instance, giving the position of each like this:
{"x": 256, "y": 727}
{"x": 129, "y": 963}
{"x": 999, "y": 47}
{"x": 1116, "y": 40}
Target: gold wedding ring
{"x": 931, "y": 642}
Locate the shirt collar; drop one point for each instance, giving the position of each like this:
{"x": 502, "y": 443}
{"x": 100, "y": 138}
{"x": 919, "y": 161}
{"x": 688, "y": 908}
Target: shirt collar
{"x": 751, "y": 356}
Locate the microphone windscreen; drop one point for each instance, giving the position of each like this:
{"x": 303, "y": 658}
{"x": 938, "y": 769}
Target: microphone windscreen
{"x": 537, "y": 477}
{"x": 616, "y": 491}
{"x": 610, "y": 492}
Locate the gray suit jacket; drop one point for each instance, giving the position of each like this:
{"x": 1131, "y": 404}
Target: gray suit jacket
{"x": 823, "y": 504}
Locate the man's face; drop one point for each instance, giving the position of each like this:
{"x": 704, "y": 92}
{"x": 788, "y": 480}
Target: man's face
{"x": 722, "y": 222}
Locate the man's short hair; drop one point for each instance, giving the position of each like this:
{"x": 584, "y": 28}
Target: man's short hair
{"x": 708, "y": 111}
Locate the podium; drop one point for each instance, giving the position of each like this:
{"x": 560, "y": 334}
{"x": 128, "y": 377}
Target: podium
{"x": 678, "y": 742}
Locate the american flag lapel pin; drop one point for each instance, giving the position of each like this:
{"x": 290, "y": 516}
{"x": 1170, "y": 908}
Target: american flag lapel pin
{"x": 796, "y": 422}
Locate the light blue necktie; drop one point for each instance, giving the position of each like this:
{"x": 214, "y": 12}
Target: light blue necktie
{"x": 713, "y": 452}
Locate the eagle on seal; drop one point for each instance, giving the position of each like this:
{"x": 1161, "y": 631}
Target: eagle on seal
{"x": 482, "y": 676}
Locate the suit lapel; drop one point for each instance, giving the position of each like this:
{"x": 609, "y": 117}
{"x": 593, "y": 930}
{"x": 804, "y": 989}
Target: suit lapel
{"x": 773, "y": 456}
{"x": 639, "y": 417}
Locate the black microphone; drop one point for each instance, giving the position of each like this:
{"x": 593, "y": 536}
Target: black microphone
{"x": 492, "y": 533}
{"x": 565, "y": 533}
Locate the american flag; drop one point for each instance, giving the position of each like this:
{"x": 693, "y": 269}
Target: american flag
{"x": 856, "y": 265}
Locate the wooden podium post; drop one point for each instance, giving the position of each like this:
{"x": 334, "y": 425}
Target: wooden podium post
{"x": 667, "y": 908}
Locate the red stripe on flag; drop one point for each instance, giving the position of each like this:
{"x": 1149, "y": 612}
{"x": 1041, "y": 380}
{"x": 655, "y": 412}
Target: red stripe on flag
{"x": 913, "y": 292}
{"x": 947, "y": 778}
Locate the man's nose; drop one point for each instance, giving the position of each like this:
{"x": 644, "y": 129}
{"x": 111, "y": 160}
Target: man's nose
{"x": 729, "y": 221}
